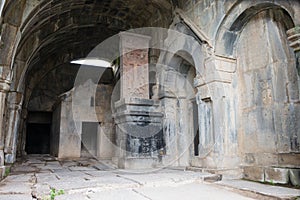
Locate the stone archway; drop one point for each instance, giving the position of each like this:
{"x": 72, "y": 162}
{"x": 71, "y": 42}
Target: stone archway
{"x": 268, "y": 89}
{"x": 40, "y": 41}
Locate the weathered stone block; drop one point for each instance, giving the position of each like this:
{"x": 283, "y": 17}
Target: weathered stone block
{"x": 254, "y": 173}
{"x": 277, "y": 175}
{"x": 294, "y": 176}
{"x": 289, "y": 159}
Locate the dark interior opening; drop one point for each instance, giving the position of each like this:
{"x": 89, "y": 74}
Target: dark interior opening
{"x": 38, "y": 138}
{"x": 89, "y": 139}
{"x": 196, "y": 128}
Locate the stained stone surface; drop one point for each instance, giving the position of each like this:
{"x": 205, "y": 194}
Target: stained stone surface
{"x": 226, "y": 89}
{"x": 110, "y": 183}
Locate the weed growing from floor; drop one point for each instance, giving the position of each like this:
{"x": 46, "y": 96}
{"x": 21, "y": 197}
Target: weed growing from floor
{"x": 54, "y": 193}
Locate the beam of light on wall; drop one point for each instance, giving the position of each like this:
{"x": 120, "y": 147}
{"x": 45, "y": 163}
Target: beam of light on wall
{"x": 92, "y": 62}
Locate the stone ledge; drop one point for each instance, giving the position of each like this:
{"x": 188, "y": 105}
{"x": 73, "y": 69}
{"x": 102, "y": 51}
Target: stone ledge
{"x": 137, "y": 102}
{"x": 272, "y": 174}
{"x": 138, "y": 163}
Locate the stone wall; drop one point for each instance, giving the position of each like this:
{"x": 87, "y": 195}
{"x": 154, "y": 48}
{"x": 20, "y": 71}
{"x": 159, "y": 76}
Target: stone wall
{"x": 87, "y": 103}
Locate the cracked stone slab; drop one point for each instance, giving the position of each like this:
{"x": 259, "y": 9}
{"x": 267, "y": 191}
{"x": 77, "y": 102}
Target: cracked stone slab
{"x": 162, "y": 178}
{"x": 79, "y": 168}
{"x": 117, "y": 194}
{"x": 68, "y": 163}
{"x": 46, "y": 177}
{"x": 69, "y": 174}
{"x": 194, "y": 191}
{"x": 101, "y": 166}
{"x": 15, "y": 197}
{"x": 24, "y": 169}
{"x": 15, "y": 188}
{"x": 72, "y": 197}
{"x": 263, "y": 189}
{"x": 35, "y": 161}
{"x": 19, "y": 178}
{"x": 99, "y": 173}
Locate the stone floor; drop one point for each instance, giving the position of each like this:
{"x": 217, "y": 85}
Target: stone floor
{"x": 36, "y": 176}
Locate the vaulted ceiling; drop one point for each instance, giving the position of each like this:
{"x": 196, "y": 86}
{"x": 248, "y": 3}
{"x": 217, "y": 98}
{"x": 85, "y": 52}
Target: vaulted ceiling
{"x": 54, "y": 32}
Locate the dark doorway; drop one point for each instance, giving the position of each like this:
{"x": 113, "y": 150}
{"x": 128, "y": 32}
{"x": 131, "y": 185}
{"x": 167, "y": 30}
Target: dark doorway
{"x": 89, "y": 138}
{"x": 38, "y": 138}
{"x": 196, "y": 128}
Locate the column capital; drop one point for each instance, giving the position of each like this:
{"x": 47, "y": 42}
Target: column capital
{"x": 15, "y": 100}
{"x": 217, "y": 69}
{"x": 4, "y": 85}
{"x": 294, "y": 38}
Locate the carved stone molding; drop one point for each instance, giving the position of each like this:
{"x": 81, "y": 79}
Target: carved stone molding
{"x": 294, "y": 38}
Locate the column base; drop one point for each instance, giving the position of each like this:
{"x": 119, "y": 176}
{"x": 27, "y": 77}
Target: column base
{"x": 138, "y": 163}
{"x": 10, "y": 158}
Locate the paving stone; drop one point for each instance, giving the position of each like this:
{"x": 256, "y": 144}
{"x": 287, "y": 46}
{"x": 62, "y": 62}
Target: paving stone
{"x": 68, "y": 163}
{"x": 60, "y": 170}
{"x": 162, "y": 178}
{"x": 19, "y": 178}
{"x": 100, "y": 166}
{"x": 35, "y": 161}
{"x": 259, "y": 188}
{"x": 41, "y": 190}
{"x": 46, "y": 177}
{"x": 72, "y": 197}
{"x": 96, "y": 184}
{"x": 15, "y": 197}
{"x": 99, "y": 173}
{"x": 78, "y": 168}
{"x": 15, "y": 188}
{"x": 117, "y": 194}
{"x": 24, "y": 169}
{"x": 69, "y": 174}
{"x": 194, "y": 191}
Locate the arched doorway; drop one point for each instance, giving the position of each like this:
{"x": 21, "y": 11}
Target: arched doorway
{"x": 268, "y": 86}
{"x": 181, "y": 130}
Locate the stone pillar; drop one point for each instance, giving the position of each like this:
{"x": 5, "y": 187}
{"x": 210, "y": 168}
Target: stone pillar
{"x": 218, "y": 143}
{"x": 138, "y": 118}
{"x": 4, "y": 87}
{"x": 294, "y": 39}
{"x": 134, "y": 65}
{"x": 14, "y": 112}
{"x": 21, "y": 142}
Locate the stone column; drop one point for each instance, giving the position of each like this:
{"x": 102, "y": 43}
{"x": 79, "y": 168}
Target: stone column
{"x": 134, "y": 65}
{"x": 4, "y": 87}
{"x": 21, "y": 142}
{"x": 138, "y": 118}
{"x": 218, "y": 141}
{"x": 14, "y": 112}
{"x": 294, "y": 39}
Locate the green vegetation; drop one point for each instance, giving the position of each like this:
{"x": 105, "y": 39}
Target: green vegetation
{"x": 54, "y": 193}
{"x": 7, "y": 171}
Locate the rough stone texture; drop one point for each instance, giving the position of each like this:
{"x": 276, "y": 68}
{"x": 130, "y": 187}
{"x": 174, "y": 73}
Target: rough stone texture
{"x": 254, "y": 173}
{"x": 255, "y": 190}
{"x": 294, "y": 176}
{"x": 236, "y": 69}
{"x": 134, "y": 66}
{"x": 134, "y": 184}
{"x": 277, "y": 175}
{"x": 73, "y": 111}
